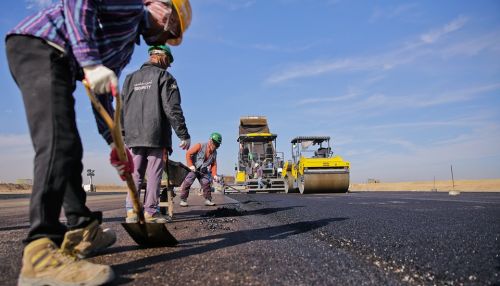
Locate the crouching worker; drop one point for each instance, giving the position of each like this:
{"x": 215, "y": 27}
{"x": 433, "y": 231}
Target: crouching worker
{"x": 202, "y": 160}
{"x": 151, "y": 108}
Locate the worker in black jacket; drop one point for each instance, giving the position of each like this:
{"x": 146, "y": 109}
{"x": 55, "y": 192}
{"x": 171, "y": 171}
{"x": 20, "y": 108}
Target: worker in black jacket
{"x": 151, "y": 108}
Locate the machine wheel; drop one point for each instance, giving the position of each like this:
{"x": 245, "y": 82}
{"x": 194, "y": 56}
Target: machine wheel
{"x": 301, "y": 184}
{"x": 164, "y": 198}
{"x": 167, "y": 195}
{"x": 289, "y": 187}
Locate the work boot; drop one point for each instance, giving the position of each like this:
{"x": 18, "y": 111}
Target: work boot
{"x": 45, "y": 264}
{"x": 132, "y": 217}
{"x": 155, "y": 218}
{"x": 183, "y": 203}
{"x": 85, "y": 241}
{"x": 209, "y": 203}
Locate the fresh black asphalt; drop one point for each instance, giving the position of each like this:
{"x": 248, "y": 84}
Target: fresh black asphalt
{"x": 415, "y": 238}
{"x": 363, "y": 238}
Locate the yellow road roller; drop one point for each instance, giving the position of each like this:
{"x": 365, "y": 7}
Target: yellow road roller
{"x": 314, "y": 168}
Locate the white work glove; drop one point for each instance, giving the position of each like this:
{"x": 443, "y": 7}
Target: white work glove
{"x": 184, "y": 145}
{"x": 192, "y": 168}
{"x": 216, "y": 178}
{"x": 100, "y": 78}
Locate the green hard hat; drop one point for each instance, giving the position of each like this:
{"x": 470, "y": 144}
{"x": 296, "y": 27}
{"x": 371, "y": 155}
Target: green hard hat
{"x": 164, "y": 48}
{"x": 216, "y": 138}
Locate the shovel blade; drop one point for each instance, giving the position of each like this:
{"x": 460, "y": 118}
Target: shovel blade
{"x": 150, "y": 234}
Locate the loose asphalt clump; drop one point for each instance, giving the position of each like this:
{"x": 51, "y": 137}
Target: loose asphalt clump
{"x": 221, "y": 218}
{"x": 217, "y": 223}
{"x": 225, "y": 212}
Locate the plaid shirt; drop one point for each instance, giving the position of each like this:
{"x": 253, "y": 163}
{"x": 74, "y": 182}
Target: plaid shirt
{"x": 94, "y": 32}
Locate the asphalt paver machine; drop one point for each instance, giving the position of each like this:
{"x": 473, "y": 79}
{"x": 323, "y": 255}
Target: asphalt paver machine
{"x": 258, "y": 146}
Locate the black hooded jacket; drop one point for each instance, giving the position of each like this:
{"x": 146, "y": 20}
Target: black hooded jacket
{"x": 151, "y": 108}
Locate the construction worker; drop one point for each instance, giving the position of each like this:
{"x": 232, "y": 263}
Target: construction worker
{"x": 47, "y": 53}
{"x": 151, "y": 108}
{"x": 259, "y": 173}
{"x": 202, "y": 161}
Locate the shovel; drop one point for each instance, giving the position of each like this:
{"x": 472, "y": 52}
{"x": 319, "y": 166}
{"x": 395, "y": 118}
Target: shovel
{"x": 144, "y": 234}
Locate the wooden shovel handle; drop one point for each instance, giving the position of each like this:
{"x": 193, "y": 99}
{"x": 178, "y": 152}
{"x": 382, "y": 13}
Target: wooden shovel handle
{"x": 116, "y": 133}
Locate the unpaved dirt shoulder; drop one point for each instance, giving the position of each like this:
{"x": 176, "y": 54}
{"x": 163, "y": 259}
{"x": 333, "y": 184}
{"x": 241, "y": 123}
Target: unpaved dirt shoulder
{"x": 486, "y": 185}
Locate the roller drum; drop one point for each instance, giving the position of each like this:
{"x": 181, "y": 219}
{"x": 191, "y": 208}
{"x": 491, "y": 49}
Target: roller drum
{"x": 323, "y": 183}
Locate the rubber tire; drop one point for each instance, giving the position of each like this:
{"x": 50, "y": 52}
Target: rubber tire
{"x": 300, "y": 184}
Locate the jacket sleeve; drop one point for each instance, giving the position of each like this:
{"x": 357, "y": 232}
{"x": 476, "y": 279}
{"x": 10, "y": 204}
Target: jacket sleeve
{"x": 189, "y": 154}
{"x": 171, "y": 101}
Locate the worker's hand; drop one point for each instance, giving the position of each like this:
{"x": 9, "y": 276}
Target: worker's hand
{"x": 121, "y": 167}
{"x": 100, "y": 78}
{"x": 185, "y": 144}
{"x": 216, "y": 178}
{"x": 192, "y": 168}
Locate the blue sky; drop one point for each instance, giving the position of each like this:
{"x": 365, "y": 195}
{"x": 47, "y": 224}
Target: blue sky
{"x": 405, "y": 89}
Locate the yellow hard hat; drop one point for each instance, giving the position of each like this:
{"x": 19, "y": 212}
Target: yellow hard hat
{"x": 183, "y": 9}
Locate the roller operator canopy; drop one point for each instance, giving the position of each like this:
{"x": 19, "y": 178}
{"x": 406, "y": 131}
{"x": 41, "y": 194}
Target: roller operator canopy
{"x": 314, "y": 139}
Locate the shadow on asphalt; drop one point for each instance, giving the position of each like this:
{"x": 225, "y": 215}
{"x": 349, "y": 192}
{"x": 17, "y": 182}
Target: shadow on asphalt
{"x": 194, "y": 215}
{"x": 223, "y": 240}
{"x": 267, "y": 211}
{"x": 17, "y": 227}
{"x": 114, "y": 219}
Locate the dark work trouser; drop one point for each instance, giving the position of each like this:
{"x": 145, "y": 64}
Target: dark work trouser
{"x": 204, "y": 180}
{"x": 46, "y": 79}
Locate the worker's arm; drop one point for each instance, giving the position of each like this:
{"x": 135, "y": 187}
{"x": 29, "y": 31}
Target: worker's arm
{"x": 171, "y": 102}
{"x": 80, "y": 19}
{"x": 214, "y": 168}
{"x": 123, "y": 93}
{"x": 189, "y": 154}
{"x": 107, "y": 103}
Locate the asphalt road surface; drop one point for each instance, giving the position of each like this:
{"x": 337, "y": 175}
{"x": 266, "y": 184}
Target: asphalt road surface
{"x": 382, "y": 238}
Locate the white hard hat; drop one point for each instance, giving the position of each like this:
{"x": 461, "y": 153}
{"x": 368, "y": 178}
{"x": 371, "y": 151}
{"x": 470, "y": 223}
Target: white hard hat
{"x": 256, "y": 164}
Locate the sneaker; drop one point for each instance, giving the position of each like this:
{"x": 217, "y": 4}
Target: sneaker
{"x": 131, "y": 217}
{"x": 183, "y": 203}
{"x": 45, "y": 264}
{"x": 155, "y": 218}
{"x": 86, "y": 241}
{"x": 209, "y": 203}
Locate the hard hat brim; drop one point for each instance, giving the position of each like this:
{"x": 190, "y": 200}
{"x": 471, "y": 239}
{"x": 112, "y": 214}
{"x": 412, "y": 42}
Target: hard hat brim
{"x": 175, "y": 42}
